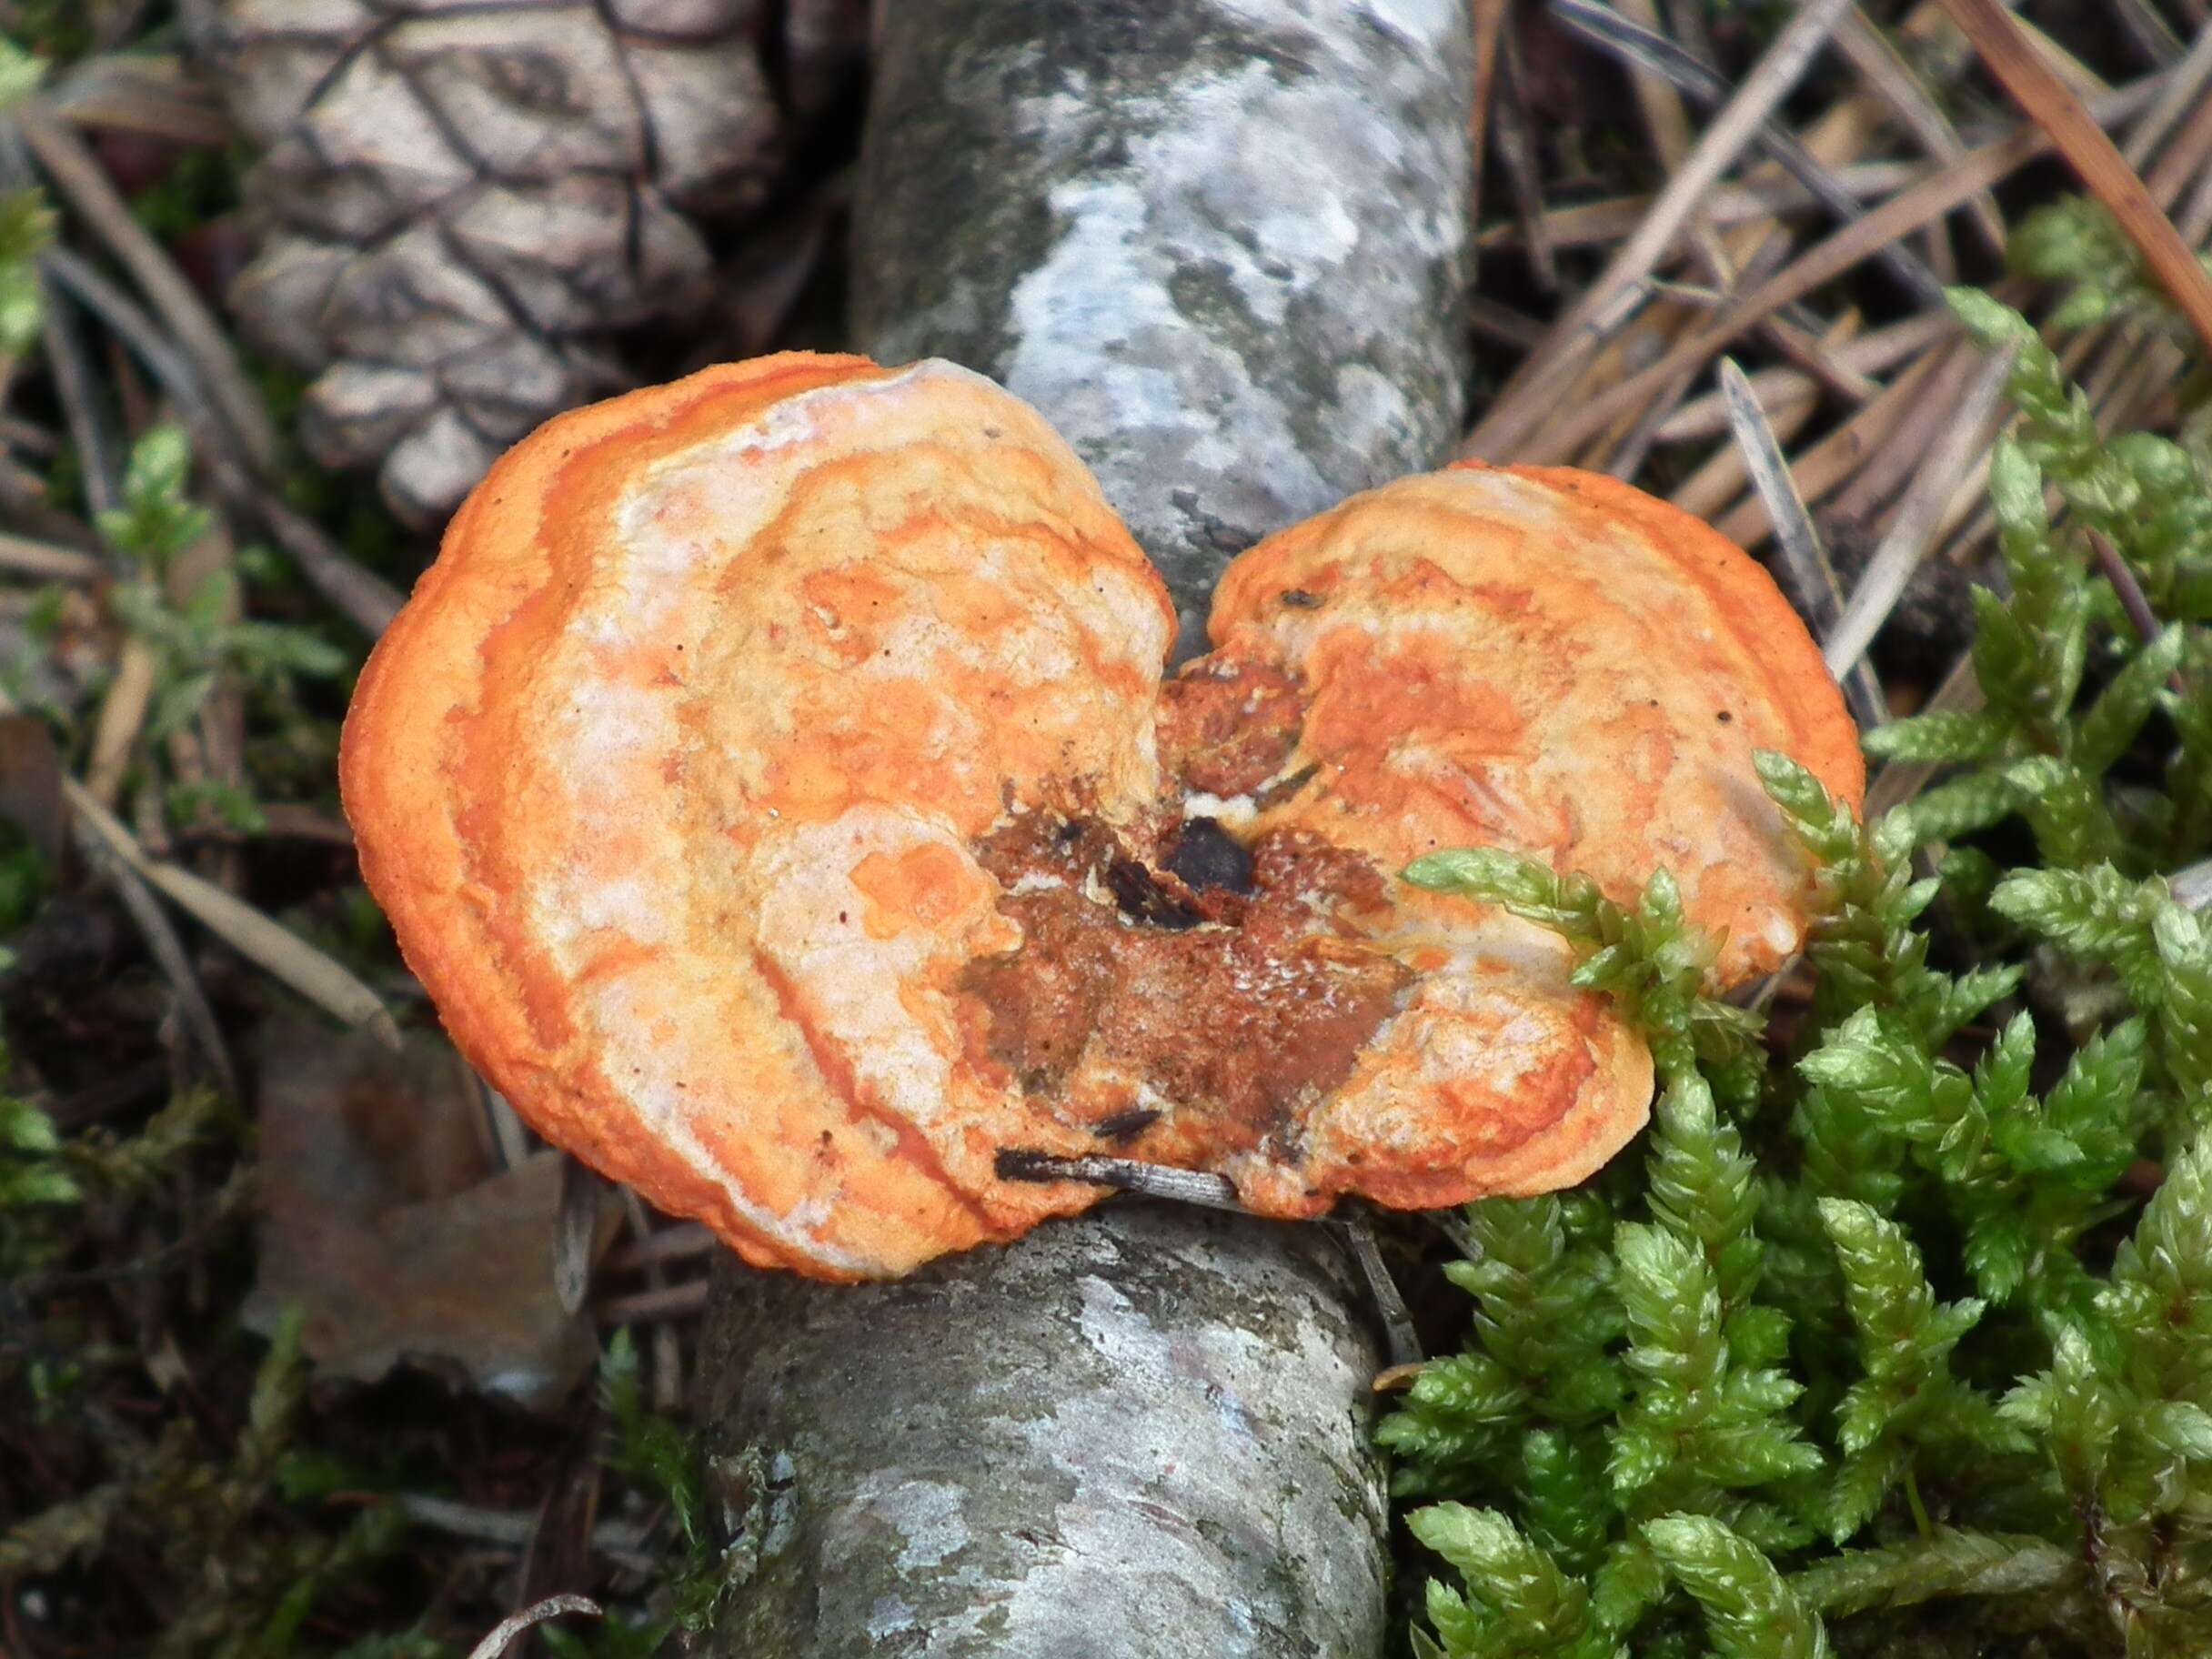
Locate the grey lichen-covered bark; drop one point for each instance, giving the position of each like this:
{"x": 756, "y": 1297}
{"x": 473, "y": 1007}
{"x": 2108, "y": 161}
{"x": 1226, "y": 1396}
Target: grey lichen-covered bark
{"x": 1218, "y": 243}
{"x": 1140, "y": 1432}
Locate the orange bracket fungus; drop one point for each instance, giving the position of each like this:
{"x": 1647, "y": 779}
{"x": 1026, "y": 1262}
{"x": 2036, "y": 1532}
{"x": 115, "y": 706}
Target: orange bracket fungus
{"x": 775, "y": 785}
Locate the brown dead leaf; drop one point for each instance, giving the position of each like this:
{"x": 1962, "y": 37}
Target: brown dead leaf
{"x": 386, "y": 1221}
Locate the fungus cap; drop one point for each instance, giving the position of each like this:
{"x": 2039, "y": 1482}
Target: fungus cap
{"x": 774, "y": 786}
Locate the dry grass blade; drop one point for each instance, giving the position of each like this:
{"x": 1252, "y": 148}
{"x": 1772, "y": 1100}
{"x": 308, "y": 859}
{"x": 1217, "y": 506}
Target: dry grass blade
{"x": 173, "y": 371}
{"x": 1649, "y": 52}
{"x": 1809, "y": 579}
{"x": 2090, "y": 153}
{"x": 1593, "y": 224}
{"x": 1869, "y": 354}
{"x": 1891, "y": 79}
{"x": 1918, "y": 519}
{"x": 1534, "y": 393}
{"x": 667, "y": 1349}
{"x": 2180, "y": 95}
{"x": 2150, "y": 32}
{"x": 78, "y": 172}
{"x": 1665, "y": 116}
{"x": 70, "y": 365}
{"x": 168, "y": 953}
{"x": 278, "y": 951}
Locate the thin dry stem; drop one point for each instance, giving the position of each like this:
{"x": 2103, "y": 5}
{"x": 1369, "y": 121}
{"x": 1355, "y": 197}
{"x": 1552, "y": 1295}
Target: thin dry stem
{"x": 1918, "y": 519}
{"x": 77, "y": 174}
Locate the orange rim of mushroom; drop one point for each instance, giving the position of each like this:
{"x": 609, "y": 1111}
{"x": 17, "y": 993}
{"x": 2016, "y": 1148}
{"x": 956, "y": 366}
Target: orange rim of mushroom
{"x": 775, "y": 786}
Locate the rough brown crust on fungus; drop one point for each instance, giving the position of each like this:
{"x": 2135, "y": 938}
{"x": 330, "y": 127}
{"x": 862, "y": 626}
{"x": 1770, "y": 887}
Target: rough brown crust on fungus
{"x": 774, "y": 787}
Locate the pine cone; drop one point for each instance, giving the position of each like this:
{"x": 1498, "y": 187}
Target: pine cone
{"x": 462, "y": 201}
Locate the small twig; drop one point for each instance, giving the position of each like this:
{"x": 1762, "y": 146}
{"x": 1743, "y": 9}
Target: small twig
{"x": 122, "y": 715}
{"x": 138, "y": 92}
{"x": 504, "y": 1632}
{"x": 2090, "y": 152}
{"x": 1125, "y": 1175}
{"x": 1801, "y": 554}
{"x": 1894, "y": 562}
